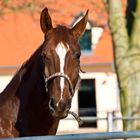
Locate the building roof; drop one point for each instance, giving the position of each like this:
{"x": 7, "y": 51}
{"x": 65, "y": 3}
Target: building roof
{"x": 20, "y": 32}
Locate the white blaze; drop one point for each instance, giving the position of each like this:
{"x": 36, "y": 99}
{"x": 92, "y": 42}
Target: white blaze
{"x": 61, "y": 51}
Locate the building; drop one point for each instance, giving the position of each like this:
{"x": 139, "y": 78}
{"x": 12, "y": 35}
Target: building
{"x": 20, "y": 35}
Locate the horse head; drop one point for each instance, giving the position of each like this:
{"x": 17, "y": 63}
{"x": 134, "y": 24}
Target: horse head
{"x": 61, "y": 57}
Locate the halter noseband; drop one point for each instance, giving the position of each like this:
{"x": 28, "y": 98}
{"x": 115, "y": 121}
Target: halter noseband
{"x": 59, "y": 74}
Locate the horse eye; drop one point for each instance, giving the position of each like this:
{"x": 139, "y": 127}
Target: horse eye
{"x": 77, "y": 55}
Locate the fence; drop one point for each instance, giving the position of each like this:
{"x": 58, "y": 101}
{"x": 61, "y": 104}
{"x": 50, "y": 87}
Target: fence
{"x": 110, "y": 118}
{"x": 85, "y": 136}
{"x": 92, "y": 136}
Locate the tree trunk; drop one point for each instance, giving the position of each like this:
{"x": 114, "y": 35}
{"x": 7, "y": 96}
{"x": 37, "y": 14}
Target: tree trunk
{"x": 127, "y": 61}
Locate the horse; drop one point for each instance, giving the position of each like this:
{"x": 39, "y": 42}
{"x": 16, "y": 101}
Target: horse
{"x": 40, "y": 93}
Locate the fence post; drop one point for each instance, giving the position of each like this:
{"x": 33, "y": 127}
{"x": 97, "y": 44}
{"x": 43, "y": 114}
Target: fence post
{"x": 110, "y": 121}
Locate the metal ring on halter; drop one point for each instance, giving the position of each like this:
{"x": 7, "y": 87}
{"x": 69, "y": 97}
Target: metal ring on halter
{"x": 59, "y": 74}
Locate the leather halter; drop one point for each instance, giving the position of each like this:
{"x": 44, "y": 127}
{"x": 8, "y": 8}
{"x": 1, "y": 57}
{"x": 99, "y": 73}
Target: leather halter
{"x": 59, "y": 74}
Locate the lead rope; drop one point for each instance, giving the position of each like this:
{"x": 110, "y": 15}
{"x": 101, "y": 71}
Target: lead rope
{"x": 77, "y": 118}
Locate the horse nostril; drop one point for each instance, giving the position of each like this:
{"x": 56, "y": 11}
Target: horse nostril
{"x": 52, "y": 103}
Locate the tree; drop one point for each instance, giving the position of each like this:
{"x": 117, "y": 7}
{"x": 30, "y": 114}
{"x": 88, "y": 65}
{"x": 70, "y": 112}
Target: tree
{"x": 127, "y": 60}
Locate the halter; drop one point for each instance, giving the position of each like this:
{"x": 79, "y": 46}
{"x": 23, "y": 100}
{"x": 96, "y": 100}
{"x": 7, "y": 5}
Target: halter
{"x": 59, "y": 74}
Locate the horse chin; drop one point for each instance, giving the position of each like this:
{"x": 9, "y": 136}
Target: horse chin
{"x": 59, "y": 115}
{"x": 62, "y": 117}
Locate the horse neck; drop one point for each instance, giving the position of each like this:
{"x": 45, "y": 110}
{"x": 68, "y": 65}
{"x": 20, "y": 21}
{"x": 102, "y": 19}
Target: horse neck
{"x": 32, "y": 83}
{"x": 34, "y": 100}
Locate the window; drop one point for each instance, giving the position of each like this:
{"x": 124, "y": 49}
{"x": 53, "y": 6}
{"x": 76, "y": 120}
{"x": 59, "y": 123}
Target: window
{"x": 86, "y": 39}
{"x": 87, "y": 101}
{"x": 85, "y": 42}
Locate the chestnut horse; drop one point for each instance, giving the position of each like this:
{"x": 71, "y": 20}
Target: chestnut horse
{"x": 40, "y": 93}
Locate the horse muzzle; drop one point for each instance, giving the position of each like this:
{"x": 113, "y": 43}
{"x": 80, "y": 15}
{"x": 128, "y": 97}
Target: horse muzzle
{"x": 59, "y": 110}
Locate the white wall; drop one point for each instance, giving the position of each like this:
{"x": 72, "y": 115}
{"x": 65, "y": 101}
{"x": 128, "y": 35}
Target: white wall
{"x": 107, "y": 97}
{"x": 4, "y": 80}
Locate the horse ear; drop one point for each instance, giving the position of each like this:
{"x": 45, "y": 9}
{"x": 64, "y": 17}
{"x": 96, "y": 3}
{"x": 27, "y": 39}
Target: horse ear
{"x": 79, "y": 28}
{"x": 45, "y": 21}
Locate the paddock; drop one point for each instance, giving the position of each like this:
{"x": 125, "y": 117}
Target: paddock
{"x": 85, "y": 136}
